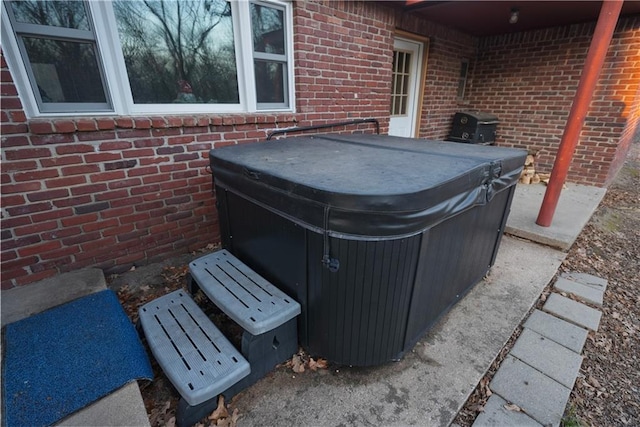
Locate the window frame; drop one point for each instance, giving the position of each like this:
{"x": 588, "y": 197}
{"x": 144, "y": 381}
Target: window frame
{"x": 115, "y": 78}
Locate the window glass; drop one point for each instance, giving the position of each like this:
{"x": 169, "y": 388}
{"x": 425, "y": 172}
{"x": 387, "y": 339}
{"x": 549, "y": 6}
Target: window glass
{"x": 267, "y": 26}
{"x": 67, "y": 14}
{"x": 65, "y": 71}
{"x": 178, "y": 51}
{"x": 270, "y": 80}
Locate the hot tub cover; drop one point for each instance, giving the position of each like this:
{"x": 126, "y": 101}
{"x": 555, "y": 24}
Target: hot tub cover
{"x": 376, "y": 186}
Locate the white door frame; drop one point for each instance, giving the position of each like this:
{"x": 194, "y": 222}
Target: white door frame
{"x": 407, "y": 124}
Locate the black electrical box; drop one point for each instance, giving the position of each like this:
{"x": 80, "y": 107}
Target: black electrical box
{"x": 474, "y": 128}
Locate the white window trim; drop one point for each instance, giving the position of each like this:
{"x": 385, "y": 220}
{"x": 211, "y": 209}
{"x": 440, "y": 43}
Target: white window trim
{"x": 117, "y": 81}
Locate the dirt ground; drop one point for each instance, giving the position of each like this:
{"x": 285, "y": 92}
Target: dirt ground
{"x": 607, "y": 391}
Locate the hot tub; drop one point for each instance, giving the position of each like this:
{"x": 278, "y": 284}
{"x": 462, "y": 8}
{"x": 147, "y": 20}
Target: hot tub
{"x": 375, "y": 236}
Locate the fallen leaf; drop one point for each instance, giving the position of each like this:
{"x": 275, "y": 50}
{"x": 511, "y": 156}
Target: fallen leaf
{"x": 594, "y": 382}
{"x": 297, "y": 364}
{"x": 220, "y": 412}
{"x": 322, "y": 364}
{"x": 512, "y": 407}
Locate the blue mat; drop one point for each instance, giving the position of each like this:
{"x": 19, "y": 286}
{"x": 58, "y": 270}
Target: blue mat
{"x": 65, "y": 358}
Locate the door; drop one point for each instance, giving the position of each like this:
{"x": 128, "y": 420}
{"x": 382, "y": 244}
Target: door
{"x": 405, "y": 87}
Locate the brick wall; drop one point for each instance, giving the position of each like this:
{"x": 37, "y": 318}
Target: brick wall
{"x": 529, "y": 79}
{"x": 113, "y": 192}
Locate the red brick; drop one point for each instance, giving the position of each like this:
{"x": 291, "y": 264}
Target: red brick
{"x": 142, "y": 123}
{"x": 65, "y": 182}
{"x": 60, "y": 233}
{"x": 96, "y": 136}
{"x": 63, "y": 253}
{"x": 102, "y": 157}
{"x": 116, "y": 212}
{"x": 64, "y": 126}
{"x": 48, "y": 195}
{"x": 51, "y": 215}
{"x": 124, "y": 122}
{"x": 100, "y": 225}
{"x": 180, "y": 140}
{"x": 88, "y": 125}
{"x": 105, "y": 123}
{"x": 116, "y": 231}
{"x": 14, "y": 141}
{"x": 27, "y": 153}
{"x": 110, "y": 195}
{"x": 35, "y": 175}
{"x": 147, "y": 170}
{"x": 37, "y": 249}
{"x": 20, "y": 188}
{"x": 88, "y": 189}
{"x": 13, "y": 128}
{"x": 138, "y": 154}
{"x": 41, "y": 127}
{"x": 61, "y": 161}
{"x": 72, "y": 201}
{"x": 74, "y": 148}
{"x": 58, "y": 138}
{"x": 14, "y": 200}
{"x": 125, "y": 183}
{"x": 107, "y": 176}
{"x": 80, "y": 170}
{"x": 36, "y": 228}
{"x": 150, "y": 142}
{"x": 134, "y": 133}
{"x": 79, "y": 219}
{"x": 29, "y": 209}
{"x": 115, "y": 145}
{"x": 129, "y": 219}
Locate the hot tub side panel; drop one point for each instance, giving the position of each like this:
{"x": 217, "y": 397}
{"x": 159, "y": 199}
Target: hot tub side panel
{"x": 454, "y": 256}
{"x": 358, "y": 315}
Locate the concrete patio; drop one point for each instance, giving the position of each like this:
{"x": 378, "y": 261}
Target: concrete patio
{"x": 432, "y": 382}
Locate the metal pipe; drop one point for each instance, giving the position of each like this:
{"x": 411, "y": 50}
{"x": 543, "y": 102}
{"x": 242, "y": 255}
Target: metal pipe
{"x": 325, "y": 126}
{"x": 595, "y": 59}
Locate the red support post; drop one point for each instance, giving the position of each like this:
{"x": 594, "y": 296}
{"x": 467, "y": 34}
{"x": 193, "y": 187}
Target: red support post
{"x": 595, "y": 59}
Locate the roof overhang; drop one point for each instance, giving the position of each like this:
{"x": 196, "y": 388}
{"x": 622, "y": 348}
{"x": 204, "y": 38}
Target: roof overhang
{"x": 485, "y": 18}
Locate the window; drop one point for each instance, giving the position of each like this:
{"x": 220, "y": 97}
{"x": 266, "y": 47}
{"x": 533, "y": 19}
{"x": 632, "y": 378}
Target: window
{"x": 462, "y": 81}
{"x": 153, "y": 56}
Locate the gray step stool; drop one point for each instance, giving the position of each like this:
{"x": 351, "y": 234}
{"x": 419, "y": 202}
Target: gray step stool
{"x": 266, "y": 314}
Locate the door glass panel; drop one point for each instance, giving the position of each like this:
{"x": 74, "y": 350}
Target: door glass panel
{"x": 400, "y": 82}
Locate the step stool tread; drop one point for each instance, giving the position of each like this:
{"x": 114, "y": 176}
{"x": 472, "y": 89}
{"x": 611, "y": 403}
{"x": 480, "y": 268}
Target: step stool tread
{"x": 245, "y": 296}
{"x": 196, "y": 357}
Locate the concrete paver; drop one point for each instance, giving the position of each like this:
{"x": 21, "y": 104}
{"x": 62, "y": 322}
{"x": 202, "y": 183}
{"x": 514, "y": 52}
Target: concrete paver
{"x": 586, "y": 279}
{"x": 538, "y": 395}
{"x": 583, "y": 292}
{"x": 567, "y": 334}
{"x": 548, "y": 357}
{"x": 573, "y": 311}
{"x": 495, "y": 414}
